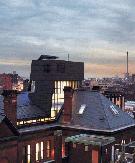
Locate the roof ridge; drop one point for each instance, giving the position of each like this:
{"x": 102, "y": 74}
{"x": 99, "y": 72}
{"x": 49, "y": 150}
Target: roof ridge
{"x": 104, "y": 109}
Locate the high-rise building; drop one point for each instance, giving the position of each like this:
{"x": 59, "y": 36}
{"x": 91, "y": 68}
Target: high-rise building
{"x": 48, "y": 78}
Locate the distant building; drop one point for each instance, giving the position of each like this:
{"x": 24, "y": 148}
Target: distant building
{"x": 5, "y": 82}
{"x": 11, "y": 81}
{"x": 130, "y": 108}
{"x": 116, "y": 97}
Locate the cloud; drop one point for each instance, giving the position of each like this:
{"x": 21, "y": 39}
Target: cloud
{"x": 97, "y": 32}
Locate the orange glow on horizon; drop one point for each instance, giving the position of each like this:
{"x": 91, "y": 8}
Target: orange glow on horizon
{"x": 108, "y": 69}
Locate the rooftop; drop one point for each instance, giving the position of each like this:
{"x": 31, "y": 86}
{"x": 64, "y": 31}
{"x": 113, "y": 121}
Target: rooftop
{"x": 25, "y": 109}
{"x": 90, "y": 139}
{"x": 99, "y": 113}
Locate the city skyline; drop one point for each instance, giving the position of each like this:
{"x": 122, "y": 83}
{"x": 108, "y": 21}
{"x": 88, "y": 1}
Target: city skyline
{"x": 98, "y": 33}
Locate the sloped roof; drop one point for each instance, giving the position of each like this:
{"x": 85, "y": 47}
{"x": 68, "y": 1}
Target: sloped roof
{"x": 1, "y": 117}
{"x": 1, "y": 105}
{"x": 25, "y": 110}
{"x": 100, "y": 113}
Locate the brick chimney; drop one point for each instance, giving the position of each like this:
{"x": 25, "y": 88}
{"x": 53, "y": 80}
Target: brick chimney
{"x": 10, "y": 105}
{"x": 68, "y": 95}
{"x": 58, "y": 146}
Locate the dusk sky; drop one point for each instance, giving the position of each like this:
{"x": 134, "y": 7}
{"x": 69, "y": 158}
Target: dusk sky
{"x": 97, "y": 32}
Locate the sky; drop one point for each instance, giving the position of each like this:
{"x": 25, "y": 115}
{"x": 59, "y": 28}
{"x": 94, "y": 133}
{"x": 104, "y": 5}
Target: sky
{"x": 97, "y": 32}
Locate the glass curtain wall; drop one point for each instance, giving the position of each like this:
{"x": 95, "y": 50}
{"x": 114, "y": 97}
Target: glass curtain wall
{"x": 58, "y": 96}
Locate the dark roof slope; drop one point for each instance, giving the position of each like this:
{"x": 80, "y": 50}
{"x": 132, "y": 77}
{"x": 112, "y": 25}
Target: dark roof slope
{"x": 100, "y": 113}
{"x": 1, "y": 117}
{"x": 1, "y": 105}
{"x": 25, "y": 110}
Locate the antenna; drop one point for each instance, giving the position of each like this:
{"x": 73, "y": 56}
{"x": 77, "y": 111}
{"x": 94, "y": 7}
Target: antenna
{"x": 68, "y": 57}
{"x": 127, "y": 62}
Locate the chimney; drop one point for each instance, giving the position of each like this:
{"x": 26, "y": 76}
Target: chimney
{"x": 58, "y": 146}
{"x": 10, "y": 105}
{"x": 68, "y": 94}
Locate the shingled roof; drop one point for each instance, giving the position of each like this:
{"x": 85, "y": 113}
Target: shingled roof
{"x": 92, "y": 110}
{"x": 25, "y": 110}
{"x": 1, "y": 117}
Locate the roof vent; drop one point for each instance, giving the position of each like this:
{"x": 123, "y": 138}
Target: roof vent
{"x": 82, "y": 108}
{"x": 114, "y": 111}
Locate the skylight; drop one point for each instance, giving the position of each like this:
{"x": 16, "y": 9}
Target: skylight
{"x": 114, "y": 111}
{"x": 82, "y": 108}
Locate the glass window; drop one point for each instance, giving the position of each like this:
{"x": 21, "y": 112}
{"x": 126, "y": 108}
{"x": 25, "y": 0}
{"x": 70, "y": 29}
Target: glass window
{"x": 26, "y": 154}
{"x": 48, "y": 149}
{"x": 114, "y": 110}
{"x": 58, "y": 96}
{"x": 86, "y": 148}
{"x": 82, "y": 108}
{"x": 39, "y": 151}
{"x": 63, "y": 149}
{"x": 33, "y": 86}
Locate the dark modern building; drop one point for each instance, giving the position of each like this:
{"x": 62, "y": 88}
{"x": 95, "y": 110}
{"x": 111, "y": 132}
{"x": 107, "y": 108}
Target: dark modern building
{"x": 48, "y": 77}
{"x": 87, "y": 125}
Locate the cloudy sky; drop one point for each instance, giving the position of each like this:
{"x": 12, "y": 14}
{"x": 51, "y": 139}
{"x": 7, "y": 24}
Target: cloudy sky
{"x": 98, "y": 32}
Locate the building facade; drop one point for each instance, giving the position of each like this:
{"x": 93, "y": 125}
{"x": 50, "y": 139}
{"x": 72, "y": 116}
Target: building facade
{"x": 48, "y": 78}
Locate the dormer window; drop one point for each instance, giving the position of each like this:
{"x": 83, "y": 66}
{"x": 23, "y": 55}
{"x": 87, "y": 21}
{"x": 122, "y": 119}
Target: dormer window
{"x": 114, "y": 111}
{"x": 82, "y": 109}
{"x": 33, "y": 86}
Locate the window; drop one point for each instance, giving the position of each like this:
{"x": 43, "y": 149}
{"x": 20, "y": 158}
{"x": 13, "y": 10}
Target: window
{"x": 47, "y": 68}
{"x": 33, "y": 86}
{"x": 74, "y": 145}
{"x": 82, "y": 108}
{"x": 63, "y": 149}
{"x": 113, "y": 153}
{"x": 34, "y": 121}
{"x": 39, "y": 151}
{"x": 58, "y": 96}
{"x": 48, "y": 149}
{"x": 61, "y": 68}
{"x": 26, "y": 154}
{"x": 86, "y": 148}
{"x": 114, "y": 111}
